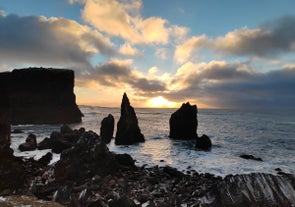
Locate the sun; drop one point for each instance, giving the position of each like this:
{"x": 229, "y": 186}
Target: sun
{"x": 160, "y": 102}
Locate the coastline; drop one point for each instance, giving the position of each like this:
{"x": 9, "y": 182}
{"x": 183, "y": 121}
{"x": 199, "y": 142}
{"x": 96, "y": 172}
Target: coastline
{"x": 145, "y": 186}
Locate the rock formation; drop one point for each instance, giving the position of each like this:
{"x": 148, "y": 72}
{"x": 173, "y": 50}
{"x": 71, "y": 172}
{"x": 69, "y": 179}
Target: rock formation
{"x": 183, "y": 123}
{"x": 203, "y": 142}
{"x": 41, "y": 96}
{"x": 30, "y": 144}
{"x": 128, "y": 131}
{"x": 254, "y": 189}
{"x": 62, "y": 140}
{"x": 107, "y": 128}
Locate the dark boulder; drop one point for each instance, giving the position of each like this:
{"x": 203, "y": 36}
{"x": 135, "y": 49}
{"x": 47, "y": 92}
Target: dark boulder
{"x": 254, "y": 189}
{"x": 125, "y": 159}
{"x": 183, "y": 123}
{"x": 62, "y": 140}
{"x": 45, "y": 159}
{"x": 107, "y": 128}
{"x": 128, "y": 131}
{"x": 250, "y": 157}
{"x": 41, "y": 96}
{"x": 203, "y": 142}
{"x": 30, "y": 144}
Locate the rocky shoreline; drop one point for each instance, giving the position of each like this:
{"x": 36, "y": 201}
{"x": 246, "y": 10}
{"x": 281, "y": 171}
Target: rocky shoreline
{"x": 88, "y": 174}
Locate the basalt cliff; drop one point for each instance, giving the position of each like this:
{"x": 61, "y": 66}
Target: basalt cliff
{"x": 41, "y": 96}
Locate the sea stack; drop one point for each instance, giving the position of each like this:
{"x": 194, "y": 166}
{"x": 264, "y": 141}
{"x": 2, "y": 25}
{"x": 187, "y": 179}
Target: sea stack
{"x": 107, "y": 128}
{"x": 183, "y": 123}
{"x": 41, "y": 96}
{"x": 128, "y": 131}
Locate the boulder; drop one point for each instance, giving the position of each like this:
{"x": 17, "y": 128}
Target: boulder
{"x": 183, "y": 123}
{"x": 203, "y": 142}
{"x": 41, "y": 96}
{"x": 30, "y": 144}
{"x": 128, "y": 131}
{"x": 89, "y": 157}
{"x": 107, "y": 128}
{"x": 62, "y": 140}
{"x": 250, "y": 157}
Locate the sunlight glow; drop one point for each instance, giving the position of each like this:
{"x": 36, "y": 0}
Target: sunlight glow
{"x": 160, "y": 102}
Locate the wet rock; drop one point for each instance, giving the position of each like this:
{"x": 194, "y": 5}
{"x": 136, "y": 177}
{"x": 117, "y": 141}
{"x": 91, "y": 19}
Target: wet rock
{"x": 254, "y": 189}
{"x": 122, "y": 202}
{"x": 203, "y": 142}
{"x": 45, "y": 159}
{"x": 128, "y": 131}
{"x": 107, "y": 128}
{"x": 172, "y": 171}
{"x": 125, "y": 159}
{"x": 183, "y": 123}
{"x": 250, "y": 157}
{"x": 30, "y": 144}
{"x": 46, "y": 143}
{"x": 89, "y": 157}
{"x": 17, "y": 131}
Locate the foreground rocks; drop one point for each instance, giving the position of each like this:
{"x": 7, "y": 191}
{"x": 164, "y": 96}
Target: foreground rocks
{"x": 41, "y": 96}
{"x": 128, "y": 131}
{"x": 183, "y": 123}
{"x": 88, "y": 174}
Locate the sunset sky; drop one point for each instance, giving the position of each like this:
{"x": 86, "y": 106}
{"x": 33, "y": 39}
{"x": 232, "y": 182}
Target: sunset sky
{"x": 213, "y": 53}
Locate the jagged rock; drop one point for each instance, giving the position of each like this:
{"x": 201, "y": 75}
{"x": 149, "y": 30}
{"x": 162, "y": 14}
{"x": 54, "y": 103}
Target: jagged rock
{"x": 62, "y": 140}
{"x": 125, "y": 159}
{"x": 107, "y": 128}
{"x": 87, "y": 158}
{"x": 172, "y": 171}
{"x": 30, "y": 144}
{"x": 183, "y": 123}
{"x": 203, "y": 142}
{"x": 128, "y": 131}
{"x": 41, "y": 96}
{"x": 250, "y": 157}
{"x": 254, "y": 189}
{"x": 45, "y": 159}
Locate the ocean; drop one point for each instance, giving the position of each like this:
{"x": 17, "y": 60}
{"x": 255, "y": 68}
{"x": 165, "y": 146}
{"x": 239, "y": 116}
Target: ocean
{"x": 268, "y": 134}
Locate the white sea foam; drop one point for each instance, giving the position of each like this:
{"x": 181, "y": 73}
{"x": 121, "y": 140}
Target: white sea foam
{"x": 265, "y": 134}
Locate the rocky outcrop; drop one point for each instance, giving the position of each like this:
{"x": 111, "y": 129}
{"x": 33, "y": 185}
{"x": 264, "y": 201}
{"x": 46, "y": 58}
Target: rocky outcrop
{"x": 30, "y": 144}
{"x": 5, "y": 124}
{"x": 64, "y": 139}
{"x": 252, "y": 190}
{"x": 128, "y": 131}
{"x": 107, "y": 129}
{"x": 250, "y": 157}
{"x": 203, "y": 142}
{"x": 89, "y": 157}
{"x": 183, "y": 123}
{"x": 41, "y": 96}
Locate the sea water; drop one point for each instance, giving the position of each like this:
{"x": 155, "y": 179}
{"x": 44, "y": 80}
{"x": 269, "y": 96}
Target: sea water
{"x": 268, "y": 134}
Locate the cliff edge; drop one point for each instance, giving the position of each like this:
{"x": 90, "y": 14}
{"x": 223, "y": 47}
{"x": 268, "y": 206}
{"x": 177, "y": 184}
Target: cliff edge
{"x": 41, "y": 96}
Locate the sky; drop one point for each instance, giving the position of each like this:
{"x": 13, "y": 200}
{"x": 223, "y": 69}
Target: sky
{"x": 216, "y": 54}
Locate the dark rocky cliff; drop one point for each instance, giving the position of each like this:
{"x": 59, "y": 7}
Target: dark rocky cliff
{"x": 41, "y": 96}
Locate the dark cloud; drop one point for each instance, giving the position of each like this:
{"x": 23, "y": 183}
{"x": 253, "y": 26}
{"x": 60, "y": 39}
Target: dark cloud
{"x": 116, "y": 74}
{"x": 233, "y": 86}
{"x": 271, "y": 38}
{"x": 37, "y": 40}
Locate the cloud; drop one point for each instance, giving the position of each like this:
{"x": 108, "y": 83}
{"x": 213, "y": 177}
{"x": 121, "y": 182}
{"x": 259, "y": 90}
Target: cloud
{"x": 233, "y": 85}
{"x": 122, "y": 18}
{"x": 268, "y": 40}
{"x": 120, "y": 74}
{"x": 127, "y": 50}
{"x": 38, "y": 40}
{"x": 2, "y": 13}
